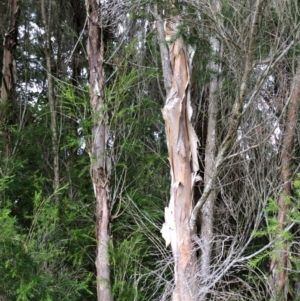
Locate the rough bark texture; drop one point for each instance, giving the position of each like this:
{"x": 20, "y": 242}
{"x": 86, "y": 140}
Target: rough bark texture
{"x": 46, "y": 15}
{"x": 182, "y": 146}
{"x": 9, "y": 71}
{"x": 100, "y": 169}
{"x": 279, "y": 263}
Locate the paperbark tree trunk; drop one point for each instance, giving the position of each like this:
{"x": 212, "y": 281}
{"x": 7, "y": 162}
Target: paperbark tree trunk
{"x": 100, "y": 167}
{"x": 279, "y": 262}
{"x": 9, "y": 71}
{"x": 182, "y": 147}
{"x": 46, "y": 16}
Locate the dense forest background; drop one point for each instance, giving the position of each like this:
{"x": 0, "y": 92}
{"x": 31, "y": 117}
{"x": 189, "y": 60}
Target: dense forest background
{"x": 149, "y": 150}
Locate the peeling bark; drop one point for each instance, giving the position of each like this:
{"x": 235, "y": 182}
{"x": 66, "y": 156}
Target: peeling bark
{"x": 100, "y": 167}
{"x": 182, "y": 147}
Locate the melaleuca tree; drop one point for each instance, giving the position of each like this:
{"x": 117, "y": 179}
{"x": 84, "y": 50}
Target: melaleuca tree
{"x": 242, "y": 59}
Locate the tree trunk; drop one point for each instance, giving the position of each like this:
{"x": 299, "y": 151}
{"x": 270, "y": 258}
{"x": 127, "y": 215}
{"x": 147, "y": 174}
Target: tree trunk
{"x": 236, "y": 115}
{"x": 279, "y": 262}
{"x": 182, "y": 147}
{"x": 9, "y": 71}
{"x": 207, "y": 211}
{"x": 46, "y": 16}
{"x": 100, "y": 167}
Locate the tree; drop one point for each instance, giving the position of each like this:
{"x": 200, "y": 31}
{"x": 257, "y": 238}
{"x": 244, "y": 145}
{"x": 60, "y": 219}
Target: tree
{"x": 46, "y": 17}
{"x": 227, "y": 76}
{"x": 280, "y": 259}
{"x": 182, "y": 147}
{"x": 235, "y": 31}
{"x": 9, "y": 70}
{"x": 207, "y": 211}
{"x": 100, "y": 165}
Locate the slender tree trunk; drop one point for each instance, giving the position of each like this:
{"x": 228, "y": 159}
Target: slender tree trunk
{"x": 9, "y": 71}
{"x": 236, "y": 114}
{"x": 207, "y": 211}
{"x": 100, "y": 167}
{"x": 9, "y": 75}
{"x": 182, "y": 146}
{"x": 279, "y": 262}
{"x": 46, "y": 16}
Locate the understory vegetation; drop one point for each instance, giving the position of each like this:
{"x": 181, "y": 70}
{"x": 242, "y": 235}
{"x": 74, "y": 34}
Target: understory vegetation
{"x": 162, "y": 134}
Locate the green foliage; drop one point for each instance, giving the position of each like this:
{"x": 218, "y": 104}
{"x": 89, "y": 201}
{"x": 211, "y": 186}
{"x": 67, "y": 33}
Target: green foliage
{"x": 259, "y": 259}
{"x": 125, "y": 257}
{"x": 46, "y": 246}
{"x": 35, "y": 265}
{"x": 138, "y": 183}
{"x": 273, "y": 225}
{"x": 75, "y": 102}
{"x": 47, "y": 243}
{"x": 283, "y": 239}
